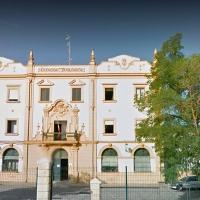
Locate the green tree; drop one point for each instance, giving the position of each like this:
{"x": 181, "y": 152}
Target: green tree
{"x": 172, "y": 106}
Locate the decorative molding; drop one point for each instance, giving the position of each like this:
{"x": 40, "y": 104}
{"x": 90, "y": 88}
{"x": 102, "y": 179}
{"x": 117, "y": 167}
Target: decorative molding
{"x": 109, "y": 84}
{"x": 108, "y": 146}
{"x": 124, "y": 63}
{"x": 61, "y": 108}
{"x": 117, "y": 63}
{"x": 11, "y": 146}
{"x": 76, "y": 82}
{"x": 143, "y": 146}
{"x": 45, "y": 83}
{"x": 37, "y": 137}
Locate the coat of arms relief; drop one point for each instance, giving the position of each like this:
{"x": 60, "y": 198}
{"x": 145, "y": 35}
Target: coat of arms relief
{"x": 61, "y": 108}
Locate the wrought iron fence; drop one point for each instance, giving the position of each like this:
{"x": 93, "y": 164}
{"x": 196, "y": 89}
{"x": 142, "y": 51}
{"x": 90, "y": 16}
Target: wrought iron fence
{"x": 19, "y": 184}
{"x": 125, "y": 185}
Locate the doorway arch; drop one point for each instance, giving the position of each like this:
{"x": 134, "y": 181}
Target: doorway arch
{"x": 60, "y": 165}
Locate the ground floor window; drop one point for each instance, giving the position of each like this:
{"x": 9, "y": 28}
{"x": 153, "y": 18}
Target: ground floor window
{"x": 109, "y": 160}
{"x": 142, "y": 160}
{"x": 10, "y": 160}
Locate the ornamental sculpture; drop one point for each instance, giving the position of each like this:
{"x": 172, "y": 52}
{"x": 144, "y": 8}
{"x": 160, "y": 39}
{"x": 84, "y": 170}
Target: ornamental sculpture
{"x": 61, "y": 108}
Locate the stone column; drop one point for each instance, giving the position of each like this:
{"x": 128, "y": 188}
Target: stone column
{"x": 44, "y": 180}
{"x": 95, "y": 189}
{"x": 75, "y": 163}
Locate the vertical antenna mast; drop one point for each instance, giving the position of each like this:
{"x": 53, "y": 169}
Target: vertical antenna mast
{"x": 68, "y": 44}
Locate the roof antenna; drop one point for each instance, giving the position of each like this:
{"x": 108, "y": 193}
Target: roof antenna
{"x": 68, "y": 44}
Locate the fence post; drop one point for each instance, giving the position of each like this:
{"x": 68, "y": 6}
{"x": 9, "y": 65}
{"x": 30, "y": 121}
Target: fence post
{"x": 126, "y": 184}
{"x": 44, "y": 180}
{"x": 95, "y": 189}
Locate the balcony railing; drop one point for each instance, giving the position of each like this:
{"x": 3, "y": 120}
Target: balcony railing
{"x": 59, "y": 136}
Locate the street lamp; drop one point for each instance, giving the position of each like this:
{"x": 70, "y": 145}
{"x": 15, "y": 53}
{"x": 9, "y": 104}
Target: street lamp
{"x": 129, "y": 150}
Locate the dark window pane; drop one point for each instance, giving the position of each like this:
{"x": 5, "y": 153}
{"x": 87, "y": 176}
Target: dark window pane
{"x": 45, "y": 94}
{"x": 76, "y": 94}
{"x": 11, "y": 126}
{"x": 109, "y": 128}
{"x": 109, "y": 94}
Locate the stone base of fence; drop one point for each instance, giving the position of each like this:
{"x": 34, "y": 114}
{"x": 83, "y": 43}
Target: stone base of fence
{"x": 95, "y": 189}
{"x": 44, "y": 180}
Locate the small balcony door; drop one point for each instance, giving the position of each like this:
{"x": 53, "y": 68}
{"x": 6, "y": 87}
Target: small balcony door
{"x": 60, "y": 129}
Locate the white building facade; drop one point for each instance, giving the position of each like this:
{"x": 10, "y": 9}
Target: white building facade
{"x": 80, "y": 117}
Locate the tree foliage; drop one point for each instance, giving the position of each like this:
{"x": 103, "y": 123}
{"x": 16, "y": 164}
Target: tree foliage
{"x": 172, "y": 105}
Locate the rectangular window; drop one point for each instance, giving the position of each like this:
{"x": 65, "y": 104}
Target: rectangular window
{"x": 139, "y": 92}
{"x": 109, "y": 126}
{"x": 11, "y": 126}
{"x": 76, "y": 94}
{"x": 109, "y": 93}
{"x": 45, "y": 94}
{"x": 13, "y": 94}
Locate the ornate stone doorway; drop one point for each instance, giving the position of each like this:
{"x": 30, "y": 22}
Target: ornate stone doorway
{"x": 60, "y": 165}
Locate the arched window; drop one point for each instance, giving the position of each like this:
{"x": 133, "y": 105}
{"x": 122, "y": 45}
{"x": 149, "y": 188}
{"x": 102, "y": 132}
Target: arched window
{"x": 142, "y": 160}
{"x": 10, "y": 160}
{"x": 109, "y": 160}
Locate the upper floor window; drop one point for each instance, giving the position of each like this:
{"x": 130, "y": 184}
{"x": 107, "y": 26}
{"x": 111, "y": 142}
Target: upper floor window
{"x": 11, "y": 127}
{"x": 76, "y": 94}
{"x": 137, "y": 122}
{"x": 139, "y": 92}
{"x": 45, "y": 94}
{"x": 45, "y": 91}
{"x": 109, "y": 127}
{"x": 109, "y": 92}
{"x": 77, "y": 91}
{"x": 13, "y": 93}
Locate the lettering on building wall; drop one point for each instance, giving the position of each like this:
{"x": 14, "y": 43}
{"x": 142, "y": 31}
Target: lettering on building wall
{"x": 44, "y": 69}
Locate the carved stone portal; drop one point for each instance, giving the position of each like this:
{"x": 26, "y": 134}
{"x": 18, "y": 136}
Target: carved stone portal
{"x": 61, "y": 109}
